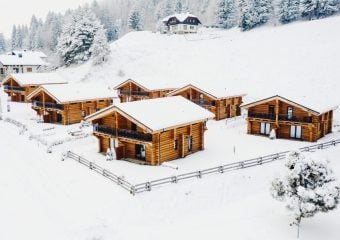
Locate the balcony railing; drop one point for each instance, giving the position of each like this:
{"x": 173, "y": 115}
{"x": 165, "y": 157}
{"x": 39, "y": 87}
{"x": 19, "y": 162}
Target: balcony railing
{"x": 123, "y": 133}
{"x": 203, "y": 102}
{"x": 133, "y": 93}
{"x": 290, "y": 118}
{"x": 281, "y": 117}
{"x": 13, "y": 88}
{"x": 47, "y": 105}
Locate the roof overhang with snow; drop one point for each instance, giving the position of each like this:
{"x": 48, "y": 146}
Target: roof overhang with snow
{"x": 34, "y": 79}
{"x": 147, "y": 89}
{"x": 186, "y": 87}
{"x": 158, "y": 115}
{"x": 314, "y": 108}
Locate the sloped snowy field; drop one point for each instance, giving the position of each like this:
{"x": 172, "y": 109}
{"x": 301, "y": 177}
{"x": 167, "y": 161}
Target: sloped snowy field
{"x": 43, "y": 197}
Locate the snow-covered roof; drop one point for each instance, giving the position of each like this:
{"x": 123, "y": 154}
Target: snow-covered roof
{"x": 35, "y": 53}
{"x": 180, "y": 16}
{"x": 26, "y": 59}
{"x": 218, "y": 88}
{"x": 76, "y": 92}
{"x": 158, "y": 114}
{"x": 218, "y": 92}
{"x": 309, "y": 103}
{"x": 26, "y": 79}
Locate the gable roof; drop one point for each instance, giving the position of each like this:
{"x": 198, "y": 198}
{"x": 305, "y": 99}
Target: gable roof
{"x": 27, "y": 79}
{"x": 146, "y": 84}
{"x": 76, "y": 92}
{"x": 309, "y": 104}
{"x": 156, "y": 115}
{"x": 214, "y": 95}
{"x": 27, "y": 59}
{"x": 181, "y": 17}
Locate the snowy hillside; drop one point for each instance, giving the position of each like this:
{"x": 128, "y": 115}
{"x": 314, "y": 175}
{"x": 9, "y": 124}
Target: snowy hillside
{"x": 43, "y": 197}
{"x": 300, "y": 58}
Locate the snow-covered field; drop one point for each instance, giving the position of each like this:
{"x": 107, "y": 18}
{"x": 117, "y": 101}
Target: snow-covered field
{"x": 43, "y": 197}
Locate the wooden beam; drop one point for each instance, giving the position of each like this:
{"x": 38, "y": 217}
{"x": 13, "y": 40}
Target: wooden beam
{"x": 116, "y": 119}
{"x": 277, "y": 113}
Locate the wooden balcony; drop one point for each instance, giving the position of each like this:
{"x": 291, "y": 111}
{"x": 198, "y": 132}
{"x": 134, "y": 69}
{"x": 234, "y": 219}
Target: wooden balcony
{"x": 124, "y": 133}
{"x": 47, "y": 105}
{"x": 14, "y": 88}
{"x": 133, "y": 93}
{"x": 281, "y": 117}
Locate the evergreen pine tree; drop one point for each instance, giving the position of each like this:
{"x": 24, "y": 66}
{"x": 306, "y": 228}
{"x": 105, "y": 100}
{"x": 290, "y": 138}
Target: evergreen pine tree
{"x": 135, "y": 20}
{"x": 248, "y": 15}
{"x": 2, "y": 43}
{"x": 100, "y": 49}
{"x": 178, "y": 6}
{"x": 77, "y": 37}
{"x": 263, "y": 9}
{"x": 288, "y": 10}
{"x": 32, "y": 32}
{"x": 14, "y": 38}
{"x": 226, "y": 13}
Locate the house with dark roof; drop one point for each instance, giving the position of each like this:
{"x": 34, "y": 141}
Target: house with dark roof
{"x": 181, "y": 23}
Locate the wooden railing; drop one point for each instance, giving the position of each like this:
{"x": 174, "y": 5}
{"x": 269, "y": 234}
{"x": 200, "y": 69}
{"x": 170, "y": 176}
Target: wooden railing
{"x": 13, "y": 88}
{"x": 147, "y": 186}
{"x": 133, "y": 93}
{"x": 123, "y": 133}
{"x": 47, "y": 105}
{"x": 281, "y": 117}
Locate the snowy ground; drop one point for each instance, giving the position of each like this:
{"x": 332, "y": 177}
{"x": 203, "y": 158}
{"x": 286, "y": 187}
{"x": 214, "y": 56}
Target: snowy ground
{"x": 43, "y": 197}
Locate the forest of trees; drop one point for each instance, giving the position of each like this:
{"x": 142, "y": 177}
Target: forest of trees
{"x": 120, "y": 16}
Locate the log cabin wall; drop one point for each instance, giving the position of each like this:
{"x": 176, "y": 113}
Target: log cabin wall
{"x": 168, "y": 145}
{"x": 222, "y": 108}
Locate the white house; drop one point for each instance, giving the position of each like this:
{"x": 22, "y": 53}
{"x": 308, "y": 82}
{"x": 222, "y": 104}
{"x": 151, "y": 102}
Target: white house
{"x": 21, "y": 62}
{"x": 181, "y": 23}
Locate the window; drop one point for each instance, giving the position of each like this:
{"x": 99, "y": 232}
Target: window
{"x": 133, "y": 127}
{"x": 189, "y": 142}
{"x": 97, "y": 109}
{"x": 101, "y": 100}
{"x": 192, "y": 28}
{"x": 2, "y": 71}
{"x": 83, "y": 113}
{"x": 201, "y": 99}
{"x": 265, "y": 128}
{"x": 29, "y": 69}
{"x": 185, "y": 27}
{"x": 289, "y": 113}
{"x": 271, "y": 112}
{"x": 175, "y": 144}
{"x": 296, "y": 132}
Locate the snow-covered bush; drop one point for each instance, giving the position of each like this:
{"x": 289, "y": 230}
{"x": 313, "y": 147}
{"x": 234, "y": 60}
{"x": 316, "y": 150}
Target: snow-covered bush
{"x": 308, "y": 187}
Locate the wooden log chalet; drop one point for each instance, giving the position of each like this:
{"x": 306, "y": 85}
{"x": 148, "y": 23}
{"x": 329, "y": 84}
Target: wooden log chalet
{"x": 152, "y": 131}
{"x": 70, "y": 103}
{"x": 291, "y": 119}
{"x": 18, "y": 86}
{"x": 130, "y": 90}
{"x": 217, "y": 102}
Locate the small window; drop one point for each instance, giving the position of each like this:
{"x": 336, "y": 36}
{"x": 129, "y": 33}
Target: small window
{"x": 192, "y": 28}
{"x": 101, "y": 100}
{"x": 289, "y": 113}
{"x": 185, "y": 27}
{"x": 83, "y": 113}
{"x": 97, "y": 109}
{"x": 29, "y": 69}
{"x": 189, "y": 139}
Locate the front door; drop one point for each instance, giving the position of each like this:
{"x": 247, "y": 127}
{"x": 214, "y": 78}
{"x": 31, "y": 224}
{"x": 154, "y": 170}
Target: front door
{"x": 140, "y": 151}
{"x": 265, "y": 128}
{"x": 296, "y": 132}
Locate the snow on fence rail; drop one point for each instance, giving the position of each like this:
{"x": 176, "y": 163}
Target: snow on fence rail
{"x": 147, "y": 186}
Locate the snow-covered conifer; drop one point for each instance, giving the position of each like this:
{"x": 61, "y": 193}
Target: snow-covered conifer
{"x": 288, "y": 10}
{"x": 77, "y": 37}
{"x": 135, "y": 20}
{"x": 226, "y": 13}
{"x": 308, "y": 187}
{"x": 248, "y": 15}
{"x": 100, "y": 49}
{"x": 2, "y": 43}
